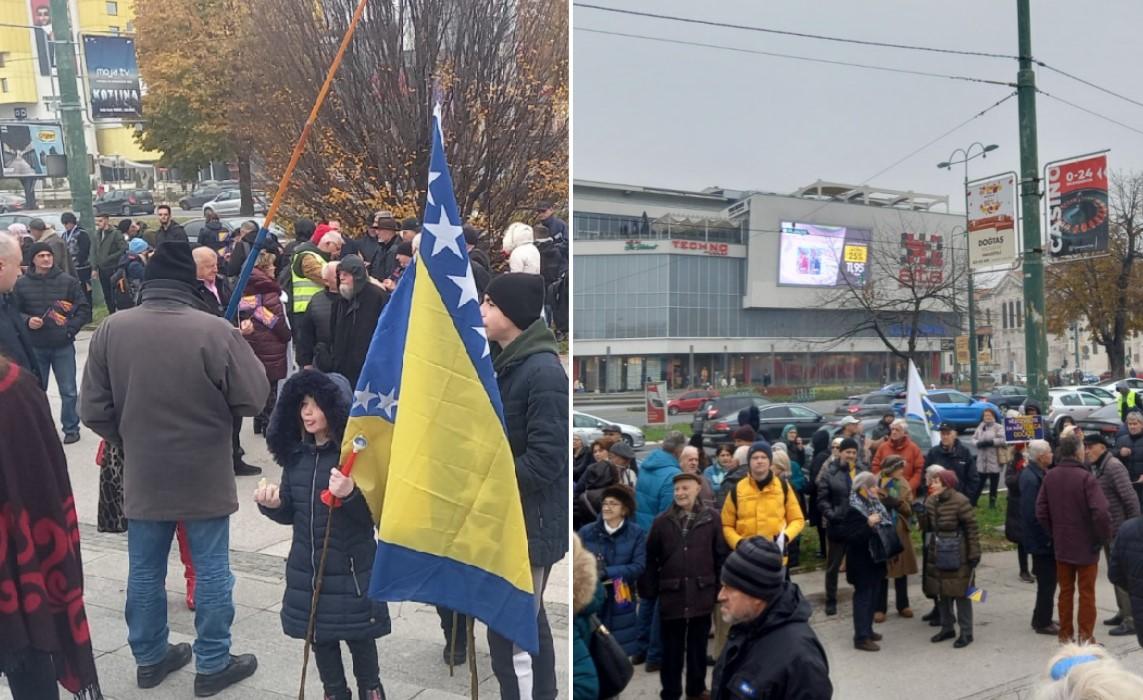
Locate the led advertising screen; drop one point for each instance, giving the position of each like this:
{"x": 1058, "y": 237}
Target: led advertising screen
{"x": 25, "y": 147}
{"x": 811, "y": 255}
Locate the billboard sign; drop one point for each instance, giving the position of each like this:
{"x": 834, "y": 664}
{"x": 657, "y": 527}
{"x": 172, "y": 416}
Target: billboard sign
{"x": 811, "y": 255}
{"x": 992, "y": 221}
{"x": 962, "y": 349}
{"x": 922, "y": 260}
{"x": 112, "y": 77}
{"x": 1078, "y": 212}
{"x": 656, "y": 401}
{"x": 25, "y": 147}
{"x": 41, "y": 13}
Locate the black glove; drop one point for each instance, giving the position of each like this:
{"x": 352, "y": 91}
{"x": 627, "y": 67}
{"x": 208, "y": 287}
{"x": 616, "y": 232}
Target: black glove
{"x": 984, "y": 443}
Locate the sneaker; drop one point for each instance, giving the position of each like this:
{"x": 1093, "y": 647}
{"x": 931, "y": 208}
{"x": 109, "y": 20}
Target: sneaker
{"x": 240, "y": 668}
{"x": 866, "y": 645}
{"x": 178, "y": 655}
{"x": 244, "y": 469}
{"x": 71, "y": 438}
{"x": 1122, "y": 630}
{"x": 1027, "y": 577}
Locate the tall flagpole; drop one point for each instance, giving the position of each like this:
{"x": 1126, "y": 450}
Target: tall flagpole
{"x": 299, "y": 148}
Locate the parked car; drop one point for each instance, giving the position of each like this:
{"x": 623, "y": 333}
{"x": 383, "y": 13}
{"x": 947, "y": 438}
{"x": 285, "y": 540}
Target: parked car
{"x": 1099, "y": 392}
{"x": 897, "y": 389}
{"x": 1132, "y": 383}
{"x": 1104, "y": 421}
{"x": 590, "y": 428}
{"x": 228, "y": 203}
{"x": 861, "y": 405}
{"x": 124, "y": 202}
{"x": 690, "y": 401}
{"x": 1070, "y": 403}
{"x": 205, "y": 191}
{"x": 50, "y": 218}
{"x": 1006, "y": 396}
{"x": 917, "y": 431}
{"x": 958, "y": 409}
{"x": 11, "y": 202}
{"x": 725, "y": 407}
{"x": 193, "y": 226}
{"x": 771, "y": 417}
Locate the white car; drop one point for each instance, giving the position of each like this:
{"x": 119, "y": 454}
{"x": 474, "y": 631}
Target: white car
{"x": 1076, "y": 404}
{"x": 590, "y": 428}
{"x": 1105, "y": 395}
{"x": 1132, "y": 383}
{"x": 228, "y": 202}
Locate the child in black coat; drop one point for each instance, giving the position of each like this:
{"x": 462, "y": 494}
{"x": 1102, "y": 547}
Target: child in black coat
{"x": 304, "y": 436}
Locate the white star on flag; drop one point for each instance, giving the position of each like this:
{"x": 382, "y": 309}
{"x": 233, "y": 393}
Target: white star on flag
{"x": 483, "y": 334}
{"x": 388, "y": 403}
{"x": 432, "y": 178}
{"x": 363, "y": 398}
{"x": 467, "y": 285}
{"x": 445, "y": 234}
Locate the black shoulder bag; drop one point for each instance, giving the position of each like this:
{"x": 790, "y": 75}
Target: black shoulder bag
{"x": 611, "y": 663}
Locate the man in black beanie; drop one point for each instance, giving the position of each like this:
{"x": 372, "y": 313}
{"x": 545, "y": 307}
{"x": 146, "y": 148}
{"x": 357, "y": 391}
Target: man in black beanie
{"x": 534, "y": 392}
{"x": 772, "y": 651}
{"x": 163, "y": 380}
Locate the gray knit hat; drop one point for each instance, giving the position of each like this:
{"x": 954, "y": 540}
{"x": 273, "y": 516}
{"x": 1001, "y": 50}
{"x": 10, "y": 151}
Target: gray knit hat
{"x": 755, "y": 568}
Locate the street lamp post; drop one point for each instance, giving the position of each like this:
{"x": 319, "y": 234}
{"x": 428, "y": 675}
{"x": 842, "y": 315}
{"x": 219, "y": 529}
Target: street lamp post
{"x": 967, "y": 154}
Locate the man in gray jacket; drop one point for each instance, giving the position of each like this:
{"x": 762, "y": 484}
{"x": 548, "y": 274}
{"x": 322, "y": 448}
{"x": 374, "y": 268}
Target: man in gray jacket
{"x": 163, "y": 380}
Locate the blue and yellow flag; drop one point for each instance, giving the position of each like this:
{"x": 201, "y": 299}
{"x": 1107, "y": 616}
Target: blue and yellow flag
{"x": 438, "y": 472}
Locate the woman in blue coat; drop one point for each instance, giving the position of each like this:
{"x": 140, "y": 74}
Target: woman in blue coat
{"x": 620, "y": 549}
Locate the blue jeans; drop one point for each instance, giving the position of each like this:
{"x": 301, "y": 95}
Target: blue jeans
{"x": 649, "y": 629}
{"x": 61, "y": 360}
{"x": 148, "y": 546}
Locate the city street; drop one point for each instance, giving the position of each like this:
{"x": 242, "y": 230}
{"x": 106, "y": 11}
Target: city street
{"x": 411, "y": 664}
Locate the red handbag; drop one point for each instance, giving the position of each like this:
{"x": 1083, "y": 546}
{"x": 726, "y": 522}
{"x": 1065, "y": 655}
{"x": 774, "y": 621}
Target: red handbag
{"x": 100, "y": 453}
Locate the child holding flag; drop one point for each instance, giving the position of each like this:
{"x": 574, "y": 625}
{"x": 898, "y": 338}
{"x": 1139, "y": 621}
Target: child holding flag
{"x": 304, "y": 436}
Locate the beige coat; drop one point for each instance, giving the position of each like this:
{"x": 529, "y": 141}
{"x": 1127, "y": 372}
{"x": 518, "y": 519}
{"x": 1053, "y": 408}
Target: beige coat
{"x": 905, "y": 563}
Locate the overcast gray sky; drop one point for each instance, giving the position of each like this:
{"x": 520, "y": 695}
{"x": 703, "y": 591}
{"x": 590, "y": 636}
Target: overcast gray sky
{"x": 668, "y": 115}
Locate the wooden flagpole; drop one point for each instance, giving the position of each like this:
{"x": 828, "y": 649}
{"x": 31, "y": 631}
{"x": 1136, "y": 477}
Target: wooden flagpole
{"x": 299, "y": 148}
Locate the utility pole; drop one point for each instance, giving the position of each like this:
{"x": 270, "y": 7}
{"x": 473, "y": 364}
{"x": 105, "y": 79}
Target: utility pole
{"x": 71, "y": 112}
{"x": 1035, "y": 340}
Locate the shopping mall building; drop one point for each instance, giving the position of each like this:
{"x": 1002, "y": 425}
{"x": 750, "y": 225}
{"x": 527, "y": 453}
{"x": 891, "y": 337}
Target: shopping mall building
{"x": 700, "y": 287}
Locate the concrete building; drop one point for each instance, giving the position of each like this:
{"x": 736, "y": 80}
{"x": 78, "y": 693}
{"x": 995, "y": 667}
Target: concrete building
{"x": 701, "y": 287}
{"x": 28, "y": 88}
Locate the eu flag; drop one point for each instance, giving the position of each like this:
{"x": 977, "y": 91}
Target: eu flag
{"x": 438, "y": 472}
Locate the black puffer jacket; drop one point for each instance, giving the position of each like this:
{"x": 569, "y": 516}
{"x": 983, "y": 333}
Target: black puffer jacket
{"x": 833, "y": 496}
{"x": 58, "y": 299}
{"x": 1134, "y": 463}
{"x": 314, "y": 332}
{"x": 354, "y": 321}
{"x": 213, "y": 235}
{"x": 775, "y": 656}
{"x": 1126, "y": 568}
{"x": 958, "y": 460}
{"x": 345, "y": 610}
{"x": 534, "y": 391}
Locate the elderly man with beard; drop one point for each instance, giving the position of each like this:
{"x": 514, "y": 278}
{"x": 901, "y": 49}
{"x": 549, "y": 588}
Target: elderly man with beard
{"x": 355, "y": 317}
{"x": 313, "y": 329}
{"x": 772, "y": 651}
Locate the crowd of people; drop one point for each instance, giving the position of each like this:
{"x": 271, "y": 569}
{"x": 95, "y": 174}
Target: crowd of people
{"x": 663, "y": 530}
{"x": 306, "y": 318}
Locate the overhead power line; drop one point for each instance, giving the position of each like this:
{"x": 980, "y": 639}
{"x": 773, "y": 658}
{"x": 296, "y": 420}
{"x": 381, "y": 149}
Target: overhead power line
{"x": 1089, "y": 83}
{"x": 811, "y": 59}
{"x": 1090, "y": 111}
{"x": 802, "y": 35}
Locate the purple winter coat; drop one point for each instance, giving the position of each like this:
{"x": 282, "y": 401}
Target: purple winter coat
{"x": 1072, "y": 508}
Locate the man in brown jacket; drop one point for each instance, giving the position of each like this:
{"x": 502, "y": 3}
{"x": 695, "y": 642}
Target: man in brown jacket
{"x": 1072, "y": 508}
{"x": 1122, "y": 505}
{"x": 163, "y": 380}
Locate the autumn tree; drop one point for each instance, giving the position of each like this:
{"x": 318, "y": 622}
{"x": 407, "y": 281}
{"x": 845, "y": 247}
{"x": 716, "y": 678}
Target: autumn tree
{"x": 912, "y": 288}
{"x": 501, "y": 66}
{"x": 1105, "y": 293}
{"x": 200, "y": 97}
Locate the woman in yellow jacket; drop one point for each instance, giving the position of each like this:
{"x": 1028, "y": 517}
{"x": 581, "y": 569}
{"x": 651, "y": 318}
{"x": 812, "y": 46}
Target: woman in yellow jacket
{"x": 762, "y": 504}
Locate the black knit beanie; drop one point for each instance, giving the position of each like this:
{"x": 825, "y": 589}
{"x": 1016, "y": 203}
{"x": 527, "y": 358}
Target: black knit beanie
{"x": 172, "y": 261}
{"x": 755, "y": 568}
{"x": 519, "y": 295}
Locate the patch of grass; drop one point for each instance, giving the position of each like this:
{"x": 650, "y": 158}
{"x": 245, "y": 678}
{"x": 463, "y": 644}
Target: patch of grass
{"x": 656, "y": 433}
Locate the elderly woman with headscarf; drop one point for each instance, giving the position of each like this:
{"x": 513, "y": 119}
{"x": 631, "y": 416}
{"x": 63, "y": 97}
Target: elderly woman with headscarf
{"x": 897, "y": 498}
{"x": 953, "y": 555}
{"x": 858, "y": 527}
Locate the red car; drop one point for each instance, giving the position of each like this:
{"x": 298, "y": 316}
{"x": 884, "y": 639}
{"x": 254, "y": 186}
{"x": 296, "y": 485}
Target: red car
{"x": 690, "y": 401}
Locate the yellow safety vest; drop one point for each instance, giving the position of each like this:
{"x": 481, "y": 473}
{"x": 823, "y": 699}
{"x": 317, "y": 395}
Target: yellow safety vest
{"x": 303, "y": 287}
{"x": 1129, "y": 401}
